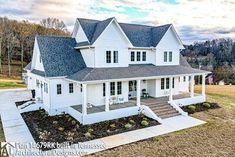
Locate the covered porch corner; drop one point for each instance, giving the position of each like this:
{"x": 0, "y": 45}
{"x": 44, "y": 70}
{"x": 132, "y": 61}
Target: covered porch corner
{"x": 109, "y": 100}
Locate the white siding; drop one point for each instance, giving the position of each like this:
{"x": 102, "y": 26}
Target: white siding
{"x": 111, "y": 39}
{"x": 80, "y": 36}
{"x": 36, "y": 64}
{"x": 168, "y": 43}
{"x": 89, "y": 57}
{"x": 151, "y": 85}
{"x": 150, "y": 57}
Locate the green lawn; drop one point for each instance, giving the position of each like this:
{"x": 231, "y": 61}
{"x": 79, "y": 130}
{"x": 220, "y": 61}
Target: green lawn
{"x": 8, "y": 85}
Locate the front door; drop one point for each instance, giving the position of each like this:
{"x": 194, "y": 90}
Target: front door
{"x": 132, "y": 89}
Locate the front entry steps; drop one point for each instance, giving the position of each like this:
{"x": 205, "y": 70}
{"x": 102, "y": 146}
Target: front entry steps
{"x": 163, "y": 109}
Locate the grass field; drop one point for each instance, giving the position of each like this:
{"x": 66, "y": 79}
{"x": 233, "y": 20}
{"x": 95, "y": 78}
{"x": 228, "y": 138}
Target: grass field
{"x": 11, "y": 83}
{"x": 216, "y": 138}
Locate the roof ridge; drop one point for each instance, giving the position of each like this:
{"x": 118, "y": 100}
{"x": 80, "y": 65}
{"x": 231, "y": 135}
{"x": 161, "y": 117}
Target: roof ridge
{"x": 53, "y": 36}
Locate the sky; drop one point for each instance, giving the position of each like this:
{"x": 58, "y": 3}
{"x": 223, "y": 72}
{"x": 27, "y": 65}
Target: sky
{"x": 194, "y": 20}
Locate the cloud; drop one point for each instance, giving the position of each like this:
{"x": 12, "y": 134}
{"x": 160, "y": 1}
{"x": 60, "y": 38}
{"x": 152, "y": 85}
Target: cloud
{"x": 193, "y": 19}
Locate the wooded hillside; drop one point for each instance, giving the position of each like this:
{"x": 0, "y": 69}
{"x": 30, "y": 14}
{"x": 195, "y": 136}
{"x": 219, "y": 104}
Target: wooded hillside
{"x": 16, "y": 42}
{"x": 217, "y": 56}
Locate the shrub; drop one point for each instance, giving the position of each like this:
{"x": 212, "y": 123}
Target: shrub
{"x": 207, "y": 105}
{"x": 67, "y": 116}
{"x": 90, "y": 130}
{"x": 77, "y": 126}
{"x": 112, "y": 126}
{"x": 146, "y": 119}
{"x": 141, "y": 114}
{"x": 87, "y": 134}
{"x": 144, "y": 123}
{"x": 44, "y": 135}
{"x": 73, "y": 122}
{"x": 69, "y": 119}
{"x": 128, "y": 126}
{"x": 132, "y": 121}
{"x": 191, "y": 108}
{"x": 61, "y": 129}
{"x": 70, "y": 136}
{"x": 55, "y": 122}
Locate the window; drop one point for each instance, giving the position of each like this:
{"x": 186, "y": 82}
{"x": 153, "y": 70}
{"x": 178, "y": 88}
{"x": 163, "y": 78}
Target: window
{"x": 165, "y": 56}
{"x": 104, "y": 89}
{"x": 58, "y": 89}
{"x": 37, "y": 83}
{"x": 115, "y": 56}
{"x": 132, "y": 56}
{"x": 45, "y": 88}
{"x": 173, "y": 82}
{"x": 71, "y": 88}
{"x": 81, "y": 88}
{"x": 167, "y": 83}
{"x": 112, "y": 88}
{"x": 179, "y": 79}
{"x": 138, "y": 56}
{"x": 184, "y": 78}
{"x": 170, "y": 56}
{"x": 143, "y": 56}
{"x": 162, "y": 83}
{"x": 108, "y": 56}
{"x": 119, "y": 87}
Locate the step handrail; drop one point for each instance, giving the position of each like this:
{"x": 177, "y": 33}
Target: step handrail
{"x": 173, "y": 104}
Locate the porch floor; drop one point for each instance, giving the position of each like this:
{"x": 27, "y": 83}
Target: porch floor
{"x": 96, "y": 109}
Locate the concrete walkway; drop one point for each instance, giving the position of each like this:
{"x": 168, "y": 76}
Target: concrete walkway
{"x": 15, "y": 129}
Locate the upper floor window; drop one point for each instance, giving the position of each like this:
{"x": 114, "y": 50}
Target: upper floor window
{"x": 119, "y": 87}
{"x": 165, "y": 56}
{"x": 184, "y": 78}
{"x": 173, "y": 82}
{"x": 170, "y": 56}
{"x": 108, "y": 56}
{"x": 81, "y": 88}
{"x": 144, "y": 56}
{"x": 112, "y": 88}
{"x": 132, "y": 56}
{"x": 37, "y": 83}
{"x": 59, "y": 89}
{"x": 138, "y": 56}
{"x": 115, "y": 56}
{"x": 71, "y": 88}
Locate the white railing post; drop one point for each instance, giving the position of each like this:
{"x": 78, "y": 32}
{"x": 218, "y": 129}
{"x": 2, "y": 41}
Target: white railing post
{"x": 84, "y": 103}
{"x": 170, "y": 94}
{"x": 107, "y": 95}
{"x": 203, "y": 84}
{"x": 192, "y": 86}
{"x": 138, "y": 93}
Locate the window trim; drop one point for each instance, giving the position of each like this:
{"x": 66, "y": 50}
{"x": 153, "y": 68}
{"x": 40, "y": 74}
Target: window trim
{"x": 173, "y": 82}
{"x": 165, "y": 56}
{"x": 170, "y": 56}
{"x": 71, "y": 88}
{"x": 167, "y": 83}
{"x": 144, "y": 56}
{"x": 104, "y": 89}
{"x": 119, "y": 88}
{"x": 108, "y": 56}
{"x": 45, "y": 87}
{"x": 59, "y": 89}
{"x": 162, "y": 83}
{"x": 112, "y": 88}
{"x": 132, "y": 56}
{"x": 115, "y": 56}
{"x": 138, "y": 56}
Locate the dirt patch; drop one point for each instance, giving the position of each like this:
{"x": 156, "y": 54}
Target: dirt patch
{"x": 64, "y": 128}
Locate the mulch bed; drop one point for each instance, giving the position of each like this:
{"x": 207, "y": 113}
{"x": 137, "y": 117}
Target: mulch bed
{"x": 200, "y": 107}
{"x": 64, "y": 128}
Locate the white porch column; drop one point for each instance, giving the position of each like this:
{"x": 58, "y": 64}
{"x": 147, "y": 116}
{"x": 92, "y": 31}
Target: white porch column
{"x": 138, "y": 93}
{"x": 107, "y": 95}
{"x": 203, "y": 84}
{"x": 84, "y": 103}
{"x": 192, "y": 86}
{"x": 170, "y": 94}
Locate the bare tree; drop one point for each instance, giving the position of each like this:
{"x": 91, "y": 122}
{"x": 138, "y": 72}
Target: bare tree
{"x": 54, "y": 23}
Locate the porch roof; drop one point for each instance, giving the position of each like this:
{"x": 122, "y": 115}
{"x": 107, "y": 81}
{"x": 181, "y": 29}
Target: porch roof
{"x": 132, "y": 71}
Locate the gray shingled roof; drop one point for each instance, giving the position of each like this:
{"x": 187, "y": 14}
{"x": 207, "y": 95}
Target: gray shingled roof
{"x": 59, "y": 56}
{"x": 133, "y": 71}
{"x": 139, "y": 35}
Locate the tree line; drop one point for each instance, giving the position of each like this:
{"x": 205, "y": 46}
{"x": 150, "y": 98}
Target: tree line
{"x": 217, "y": 56}
{"x": 17, "y": 39}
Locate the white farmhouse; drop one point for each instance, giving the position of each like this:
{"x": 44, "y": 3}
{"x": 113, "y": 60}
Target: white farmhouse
{"x": 109, "y": 70}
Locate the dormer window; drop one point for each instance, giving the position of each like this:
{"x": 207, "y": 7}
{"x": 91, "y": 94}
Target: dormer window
{"x": 138, "y": 56}
{"x": 168, "y": 56}
{"x": 165, "y": 56}
{"x": 132, "y": 56}
{"x": 115, "y": 56}
{"x": 143, "y": 56}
